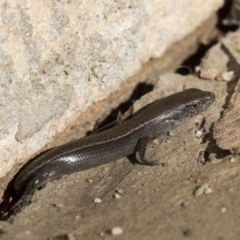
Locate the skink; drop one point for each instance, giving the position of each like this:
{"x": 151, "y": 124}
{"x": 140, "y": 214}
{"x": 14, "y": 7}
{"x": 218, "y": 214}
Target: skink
{"x": 131, "y": 136}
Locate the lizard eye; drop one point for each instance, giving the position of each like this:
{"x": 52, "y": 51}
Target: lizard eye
{"x": 195, "y": 105}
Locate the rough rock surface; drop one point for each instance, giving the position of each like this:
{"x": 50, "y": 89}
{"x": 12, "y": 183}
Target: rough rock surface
{"x": 224, "y": 58}
{"x": 227, "y": 129}
{"x": 58, "y": 57}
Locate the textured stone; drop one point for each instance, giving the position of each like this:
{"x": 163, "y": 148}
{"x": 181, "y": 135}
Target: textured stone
{"x": 224, "y": 57}
{"x": 227, "y": 129}
{"x": 57, "y": 58}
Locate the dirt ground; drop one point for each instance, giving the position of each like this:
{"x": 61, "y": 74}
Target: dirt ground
{"x": 145, "y": 202}
{"x": 159, "y": 202}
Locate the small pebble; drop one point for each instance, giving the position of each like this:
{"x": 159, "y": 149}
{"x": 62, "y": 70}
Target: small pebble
{"x": 209, "y": 74}
{"x": 90, "y": 180}
{"x": 120, "y": 191}
{"x": 139, "y": 173}
{"x": 116, "y": 231}
{"x": 155, "y": 142}
{"x": 199, "y": 133}
{"x": 227, "y": 76}
{"x": 185, "y": 204}
{"x": 223, "y": 209}
{"x": 164, "y": 164}
{"x": 232, "y": 160}
{"x": 117, "y": 196}
{"x": 56, "y": 205}
{"x": 200, "y": 190}
{"x": 208, "y": 190}
{"x": 97, "y": 200}
{"x": 170, "y": 133}
{"x": 197, "y": 69}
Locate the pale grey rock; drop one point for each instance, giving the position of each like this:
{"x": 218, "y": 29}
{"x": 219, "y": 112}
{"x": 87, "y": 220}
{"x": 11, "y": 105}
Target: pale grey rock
{"x": 57, "y": 58}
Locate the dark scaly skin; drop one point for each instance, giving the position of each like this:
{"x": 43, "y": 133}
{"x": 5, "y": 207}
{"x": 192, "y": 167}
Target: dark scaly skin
{"x": 120, "y": 141}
